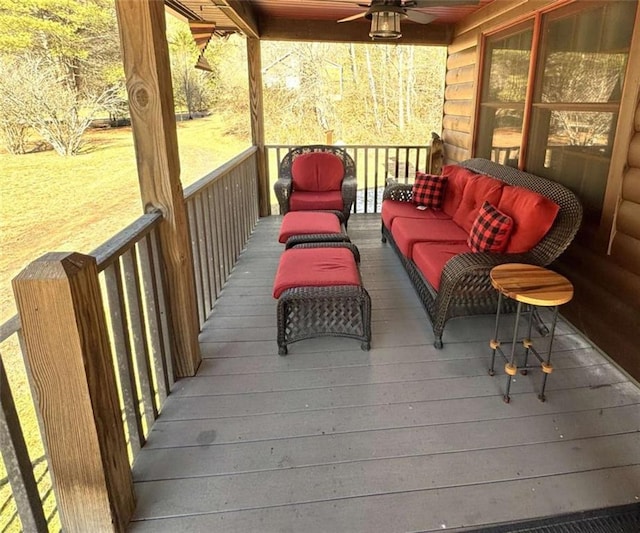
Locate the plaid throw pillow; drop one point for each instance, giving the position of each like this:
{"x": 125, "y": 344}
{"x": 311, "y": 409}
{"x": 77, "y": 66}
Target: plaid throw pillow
{"x": 490, "y": 231}
{"x": 428, "y": 190}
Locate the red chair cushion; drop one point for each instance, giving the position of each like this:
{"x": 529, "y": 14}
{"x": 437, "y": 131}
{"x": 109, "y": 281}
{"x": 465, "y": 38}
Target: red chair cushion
{"x": 457, "y": 179}
{"x": 490, "y": 231}
{"x": 480, "y": 189}
{"x": 315, "y": 267}
{"x": 430, "y": 258}
{"x": 311, "y": 201}
{"x": 308, "y": 222}
{"x": 532, "y": 213}
{"x": 428, "y": 190}
{"x": 317, "y": 172}
{"x": 409, "y": 231}
{"x": 397, "y": 208}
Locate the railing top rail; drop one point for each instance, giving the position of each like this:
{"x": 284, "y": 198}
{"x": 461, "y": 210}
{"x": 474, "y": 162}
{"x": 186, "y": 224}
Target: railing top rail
{"x": 218, "y": 173}
{"x": 10, "y": 327}
{"x": 108, "y": 252}
{"x": 350, "y": 146}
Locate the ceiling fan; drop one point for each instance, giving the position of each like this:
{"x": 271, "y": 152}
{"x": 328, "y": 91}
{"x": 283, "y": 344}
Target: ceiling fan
{"x": 385, "y": 15}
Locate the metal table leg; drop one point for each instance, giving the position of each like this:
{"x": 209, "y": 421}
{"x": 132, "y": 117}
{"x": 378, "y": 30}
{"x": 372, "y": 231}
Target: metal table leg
{"x": 510, "y": 368}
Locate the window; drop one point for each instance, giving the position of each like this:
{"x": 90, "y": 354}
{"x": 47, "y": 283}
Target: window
{"x": 572, "y": 110}
{"x": 504, "y": 91}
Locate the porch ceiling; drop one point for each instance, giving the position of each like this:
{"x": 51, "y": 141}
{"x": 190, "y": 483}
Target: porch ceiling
{"x": 316, "y": 20}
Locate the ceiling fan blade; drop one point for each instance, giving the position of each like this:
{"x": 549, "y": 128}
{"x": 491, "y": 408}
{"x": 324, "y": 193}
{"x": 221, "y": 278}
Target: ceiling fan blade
{"x": 419, "y": 17}
{"x": 354, "y": 17}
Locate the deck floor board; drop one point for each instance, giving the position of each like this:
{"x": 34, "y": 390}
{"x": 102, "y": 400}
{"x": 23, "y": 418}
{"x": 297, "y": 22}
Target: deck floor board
{"x": 401, "y": 438}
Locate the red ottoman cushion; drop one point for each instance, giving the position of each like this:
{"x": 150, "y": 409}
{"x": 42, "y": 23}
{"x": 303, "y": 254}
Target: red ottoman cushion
{"x": 315, "y": 267}
{"x": 308, "y": 223}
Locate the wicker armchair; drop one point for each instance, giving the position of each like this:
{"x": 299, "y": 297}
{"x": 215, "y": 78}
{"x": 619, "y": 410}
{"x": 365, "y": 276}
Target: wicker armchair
{"x": 465, "y": 286}
{"x": 284, "y": 187}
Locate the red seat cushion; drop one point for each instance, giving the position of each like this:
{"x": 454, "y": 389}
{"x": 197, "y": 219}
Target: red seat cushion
{"x": 490, "y": 231}
{"x": 310, "y": 201}
{"x": 397, "y": 208}
{"x": 308, "y": 222}
{"x": 457, "y": 179}
{"x": 315, "y": 267}
{"x": 317, "y": 172}
{"x": 532, "y": 213}
{"x": 428, "y": 190}
{"x": 475, "y": 193}
{"x": 409, "y": 231}
{"x": 430, "y": 258}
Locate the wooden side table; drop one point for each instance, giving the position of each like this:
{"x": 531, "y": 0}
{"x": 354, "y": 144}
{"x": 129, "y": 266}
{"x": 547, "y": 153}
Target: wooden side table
{"x": 534, "y": 286}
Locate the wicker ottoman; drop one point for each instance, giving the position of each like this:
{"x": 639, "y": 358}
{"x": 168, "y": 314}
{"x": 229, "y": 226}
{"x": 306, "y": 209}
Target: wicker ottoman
{"x": 312, "y": 226}
{"x": 320, "y": 293}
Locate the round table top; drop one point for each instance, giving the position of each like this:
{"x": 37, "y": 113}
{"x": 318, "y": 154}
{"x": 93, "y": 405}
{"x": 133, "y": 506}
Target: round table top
{"x": 531, "y": 284}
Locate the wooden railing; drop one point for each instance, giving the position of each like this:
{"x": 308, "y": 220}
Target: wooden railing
{"x": 374, "y": 165}
{"x": 223, "y": 210}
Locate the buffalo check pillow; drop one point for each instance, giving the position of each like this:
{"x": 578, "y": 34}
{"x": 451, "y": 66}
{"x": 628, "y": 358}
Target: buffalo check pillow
{"x": 491, "y": 230}
{"x": 428, "y": 190}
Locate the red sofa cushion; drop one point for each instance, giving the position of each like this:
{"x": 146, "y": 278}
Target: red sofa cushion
{"x": 397, "y": 208}
{"x": 428, "y": 190}
{"x": 408, "y": 231}
{"x": 532, "y": 213}
{"x": 480, "y": 189}
{"x": 490, "y": 231}
{"x": 457, "y": 179}
{"x": 310, "y": 201}
{"x": 308, "y": 222}
{"x": 315, "y": 267}
{"x": 317, "y": 172}
{"x": 430, "y": 258}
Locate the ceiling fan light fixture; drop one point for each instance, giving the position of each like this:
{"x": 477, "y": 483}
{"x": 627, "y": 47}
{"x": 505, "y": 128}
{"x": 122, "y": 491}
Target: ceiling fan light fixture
{"x": 385, "y": 25}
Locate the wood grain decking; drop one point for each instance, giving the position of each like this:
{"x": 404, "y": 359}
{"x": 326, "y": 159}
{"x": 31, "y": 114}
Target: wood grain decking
{"x": 402, "y": 438}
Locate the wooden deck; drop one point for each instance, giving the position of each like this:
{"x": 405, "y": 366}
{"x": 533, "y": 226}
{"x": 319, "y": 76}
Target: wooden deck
{"x": 402, "y": 438}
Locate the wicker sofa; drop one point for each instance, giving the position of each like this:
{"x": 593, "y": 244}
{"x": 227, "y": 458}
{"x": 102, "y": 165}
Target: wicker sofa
{"x": 460, "y": 285}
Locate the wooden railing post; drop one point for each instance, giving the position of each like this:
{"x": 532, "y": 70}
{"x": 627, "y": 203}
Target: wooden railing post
{"x": 145, "y": 55}
{"x": 73, "y": 381}
{"x": 254, "y": 61}
{"x": 436, "y": 155}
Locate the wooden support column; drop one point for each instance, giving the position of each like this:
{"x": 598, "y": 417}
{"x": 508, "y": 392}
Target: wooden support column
{"x": 74, "y": 386}
{"x": 257, "y": 123}
{"x": 146, "y": 64}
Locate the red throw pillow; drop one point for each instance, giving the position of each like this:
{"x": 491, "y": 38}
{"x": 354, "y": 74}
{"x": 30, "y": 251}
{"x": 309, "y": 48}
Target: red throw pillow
{"x": 490, "y": 231}
{"x": 428, "y": 190}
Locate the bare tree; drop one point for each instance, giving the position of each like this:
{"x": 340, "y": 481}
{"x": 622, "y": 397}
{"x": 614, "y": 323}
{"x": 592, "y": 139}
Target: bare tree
{"x": 48, "y": 103}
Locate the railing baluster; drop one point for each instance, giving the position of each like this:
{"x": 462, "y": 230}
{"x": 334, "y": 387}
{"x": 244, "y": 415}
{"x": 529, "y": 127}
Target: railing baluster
{"x": 204, "y": 257}
{"x": 17, "y": 464}
{"x": 163, "y": 311}
{"x": 212, "y": 246}
{"x": 195, "y": 245}
{"x": 139, "y": 337}
{"x": 153, "y": 319}
{"x": 124, "y": 357}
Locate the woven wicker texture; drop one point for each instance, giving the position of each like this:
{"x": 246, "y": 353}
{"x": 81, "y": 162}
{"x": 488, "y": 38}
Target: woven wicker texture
{"x": 465, "y": 286}
{"x": 282, "y": 187}
{"x": 336, "y": 311}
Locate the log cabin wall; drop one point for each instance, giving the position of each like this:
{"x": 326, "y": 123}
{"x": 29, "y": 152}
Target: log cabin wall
{"x": 603, "y": 279}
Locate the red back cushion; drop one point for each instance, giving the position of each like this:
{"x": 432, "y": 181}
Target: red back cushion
{"x": 315, "y": 267}
{"x": 532, "y": 213}
{"x": 490, "y": 231}
{"x": 479, "y": 190}
{"x": 457, "y": 179}
{"x": 317, "y": 172}
{"x": 428, "y": 190}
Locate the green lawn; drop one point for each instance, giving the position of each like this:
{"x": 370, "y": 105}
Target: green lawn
{"x": 51, "y": 203}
